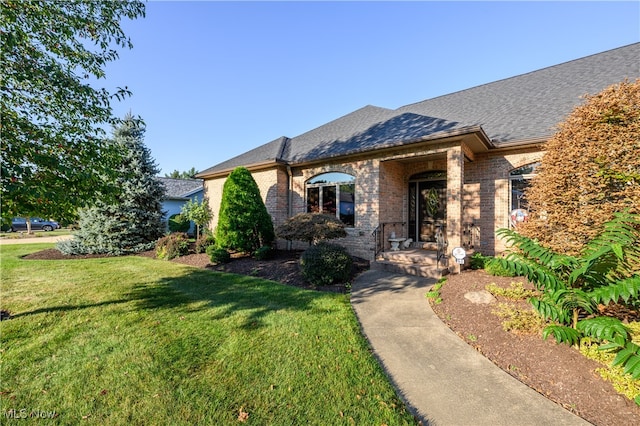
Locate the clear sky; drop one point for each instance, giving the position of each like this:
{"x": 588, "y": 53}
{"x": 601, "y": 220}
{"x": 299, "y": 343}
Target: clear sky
{"x": 215, "y": 79}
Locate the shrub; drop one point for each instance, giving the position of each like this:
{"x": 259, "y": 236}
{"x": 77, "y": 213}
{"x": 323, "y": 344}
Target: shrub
{"x": 179, "y": 223}
{"x": 172, "y": 246}
{"x": 516, "y": 320}
{"x": 218, "y": 255}
{"x": 496, "y": 269}
{"x": 516, "y": 291}
{"x": 573, "y": 286}
{"x": 325, "y": 264}
{"x": 477, "y": 261}
{"x": 243, "y": 223}
{"x": 311, "y": 227}
{"x": 590, "y": 170}
{"x": 263, "y": 253}
{"x": 202, "y": 244}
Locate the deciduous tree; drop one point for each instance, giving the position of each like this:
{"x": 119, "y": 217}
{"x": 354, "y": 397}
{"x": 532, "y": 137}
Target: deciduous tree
{"x": 54, "y": 155}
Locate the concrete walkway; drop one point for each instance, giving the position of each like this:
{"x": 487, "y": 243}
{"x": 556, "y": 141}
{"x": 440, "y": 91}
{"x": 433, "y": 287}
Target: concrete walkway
{"x": 442, "y": 379}
{"x": 34, "y": 240}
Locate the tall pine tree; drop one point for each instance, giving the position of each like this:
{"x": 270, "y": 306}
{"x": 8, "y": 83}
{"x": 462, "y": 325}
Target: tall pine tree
{"x": 133, "y": 222}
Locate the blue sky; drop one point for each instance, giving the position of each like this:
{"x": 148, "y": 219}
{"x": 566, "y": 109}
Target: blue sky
{"x": 215, "y": 79}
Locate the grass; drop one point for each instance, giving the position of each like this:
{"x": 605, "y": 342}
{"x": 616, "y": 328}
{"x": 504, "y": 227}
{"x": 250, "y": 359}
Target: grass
{"x": 134, "y": 340}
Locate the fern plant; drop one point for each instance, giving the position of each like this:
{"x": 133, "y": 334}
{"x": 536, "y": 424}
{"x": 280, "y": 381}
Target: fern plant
{"x": 573, "y": 286}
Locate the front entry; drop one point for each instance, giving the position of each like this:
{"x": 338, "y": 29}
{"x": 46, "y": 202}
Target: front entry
{"x": 427, "y": 205}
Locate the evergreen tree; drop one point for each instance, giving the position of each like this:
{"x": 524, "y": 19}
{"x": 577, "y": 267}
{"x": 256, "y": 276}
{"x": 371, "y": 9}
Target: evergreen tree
{"x": 133, "y": 222}
{"x": 243, "y": 223}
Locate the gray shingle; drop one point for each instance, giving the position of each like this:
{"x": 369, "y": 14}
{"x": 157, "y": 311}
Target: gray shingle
{"x": 529, "y": 106}
{"x": 521, "y": 108}
{"x": 271, "y": 151}
{"x": 180, "y": 188}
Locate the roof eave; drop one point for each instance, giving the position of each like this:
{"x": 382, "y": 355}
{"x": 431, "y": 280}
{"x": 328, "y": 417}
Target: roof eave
{"x": 251, "y": 167}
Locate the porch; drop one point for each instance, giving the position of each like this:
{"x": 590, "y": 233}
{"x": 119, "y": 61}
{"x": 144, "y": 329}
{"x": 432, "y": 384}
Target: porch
{"x": 424, "y": 259}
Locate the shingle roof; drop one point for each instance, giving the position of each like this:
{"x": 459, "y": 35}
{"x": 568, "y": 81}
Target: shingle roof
{"x": 269, "y": 152}
{"x": 529, "y": 106}
{"x": 180, "y": 188}
{"x": 521, "y": 108}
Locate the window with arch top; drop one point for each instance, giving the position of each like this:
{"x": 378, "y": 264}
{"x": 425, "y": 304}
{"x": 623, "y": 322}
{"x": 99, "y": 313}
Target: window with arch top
{"x": 332, "y": 193}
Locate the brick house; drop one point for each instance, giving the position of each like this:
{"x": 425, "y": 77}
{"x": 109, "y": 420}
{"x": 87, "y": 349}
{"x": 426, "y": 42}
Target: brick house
{"x": 456, "y": 163}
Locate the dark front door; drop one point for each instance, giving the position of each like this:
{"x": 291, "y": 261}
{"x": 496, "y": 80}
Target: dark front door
{"x": 427, "y": 208}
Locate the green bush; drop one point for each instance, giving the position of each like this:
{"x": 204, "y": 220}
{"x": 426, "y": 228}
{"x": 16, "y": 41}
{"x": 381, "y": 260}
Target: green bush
{"x": 264, "y": 253}
{"x": 179, "y": 223}
{"x": 497, "y": 269}
{"x": 218, "y": 255}
{"x": 325, "y": 264}
{"x": 172, "y": 246}
{"x": 202, "y": 244}
{"x": 477, "y": 261}
{"x": 243, "y": 221}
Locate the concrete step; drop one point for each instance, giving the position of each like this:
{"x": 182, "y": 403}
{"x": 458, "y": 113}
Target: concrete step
{"x": 428, "y": 271}
{"x": 418, "y": 262}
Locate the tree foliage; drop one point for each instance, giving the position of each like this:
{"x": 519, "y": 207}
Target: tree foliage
{"x": 573, "y": 287}
{"x": 132, "y": 221}
{"x": 54, "y": 155}
{"x": 198, "y": 212}
{"x": 243, "y": 223}
{"x": 590, "y": 170}
{"x": 311, "y": 227}
{"x": 189, "y": 174}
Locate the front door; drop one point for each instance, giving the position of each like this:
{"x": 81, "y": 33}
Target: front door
{"x": 427, "y": 208}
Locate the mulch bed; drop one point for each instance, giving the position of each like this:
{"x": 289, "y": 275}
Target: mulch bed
{"x": 557, "y": 371}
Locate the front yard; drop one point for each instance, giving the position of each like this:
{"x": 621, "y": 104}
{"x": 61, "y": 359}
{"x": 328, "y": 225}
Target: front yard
{"x": 133, "y": 340}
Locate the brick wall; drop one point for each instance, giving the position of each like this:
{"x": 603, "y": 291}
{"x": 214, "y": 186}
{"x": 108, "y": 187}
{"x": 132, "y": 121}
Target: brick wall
{"x": 381, "y": 192}
{"x": 487, "y": 195}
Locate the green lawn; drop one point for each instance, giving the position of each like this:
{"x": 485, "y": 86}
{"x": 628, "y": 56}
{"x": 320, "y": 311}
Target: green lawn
{"x": 134, "y": 340}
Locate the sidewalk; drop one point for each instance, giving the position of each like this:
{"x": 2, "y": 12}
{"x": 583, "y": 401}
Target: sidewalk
{"x": 441, "y": 379}
{"x": 34, "y": 240}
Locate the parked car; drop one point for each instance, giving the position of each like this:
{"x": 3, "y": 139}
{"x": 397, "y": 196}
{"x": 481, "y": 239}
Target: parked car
{"x": 37, "y": 224}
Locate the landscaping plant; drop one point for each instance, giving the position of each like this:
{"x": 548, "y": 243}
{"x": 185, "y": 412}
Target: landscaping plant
{"x": 573, "y": 287}
{"x": 173, "y": 245}
{"x": 590, "y": 170}
{"x": 179, "y": 223}
{"x": 312, "y": 228}
{"x": 325, "y": 264}
{"x": 243, "y": 223}
{"x": 132, "y": 220}
{"x": 198, "y": 212}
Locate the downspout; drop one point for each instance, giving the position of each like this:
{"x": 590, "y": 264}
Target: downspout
{"x": 289, "y": 198}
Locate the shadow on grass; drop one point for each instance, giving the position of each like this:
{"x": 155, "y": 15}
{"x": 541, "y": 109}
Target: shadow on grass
{"x": 227, "y": 293}
{"x": 201, "y": 289}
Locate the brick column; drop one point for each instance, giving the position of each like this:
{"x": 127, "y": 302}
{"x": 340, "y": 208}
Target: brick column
{"x": 455, "y": 182}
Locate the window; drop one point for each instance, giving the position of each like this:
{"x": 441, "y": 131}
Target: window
{"x": 332, "y": 193}
{"x": 520, "y": 180}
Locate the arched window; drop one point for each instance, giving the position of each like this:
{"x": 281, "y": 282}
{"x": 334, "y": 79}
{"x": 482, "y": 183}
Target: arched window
{"x": 332, "y": 193}
{"x": 520, "y": 180}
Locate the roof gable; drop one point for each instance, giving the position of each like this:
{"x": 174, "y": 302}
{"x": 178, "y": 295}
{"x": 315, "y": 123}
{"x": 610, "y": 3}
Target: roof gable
{"x": 180, "y": 188}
